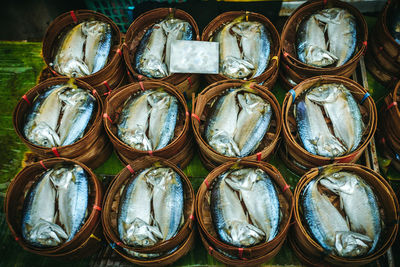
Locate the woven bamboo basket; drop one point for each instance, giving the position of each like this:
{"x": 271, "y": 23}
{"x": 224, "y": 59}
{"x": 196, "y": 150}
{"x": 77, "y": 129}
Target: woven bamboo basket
{"x": 225, "y": 18}
{"x": 288, "y": 41}
{"x": 110, "y": 213}
{"x": 201, "y": 108}
{"x": 180, "y": 142}
{"x": 105, "y": 79}
{"x": 85, "y": 242}
{"x": 184, "y": 82}
{"x": 95, "y": 137}
{"x": 292, "y": 139}
{"x": 389, "y": 209}
{"x": 206, "y": 226}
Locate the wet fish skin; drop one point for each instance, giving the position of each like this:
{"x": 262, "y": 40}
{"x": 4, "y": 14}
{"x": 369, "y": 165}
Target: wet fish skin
{"x": 134, "y": 122}
{"x": 167, "y": 197}
{"x": 38, "y": 215}
{"x": 150, "y": 54}
{"x": 260, "y": 197}
{"x": 229, "y": 218}
{"x": 134, "y": 219}
{"x": 252, "y": 123}
{"x": 163, "y": 117}
{"x": 221, "y": 126}
{"x": 359, "y": 203}
{"x": 98, "y": 45}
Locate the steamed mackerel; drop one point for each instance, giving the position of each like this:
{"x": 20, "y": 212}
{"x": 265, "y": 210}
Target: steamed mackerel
{"x": 135, "y": 221}
{"x": 98, "y": 44}
{"x": 342, "y": 110}
{"x": 358, "y": 202}
{"x": 328, "y": 226}
{"x": 229, "y": 218}
{"x": 39, "y": 226}
{"x": 259, "y": 195}
{"x": 221, "y": 126}
{"x": 252, "y": 123}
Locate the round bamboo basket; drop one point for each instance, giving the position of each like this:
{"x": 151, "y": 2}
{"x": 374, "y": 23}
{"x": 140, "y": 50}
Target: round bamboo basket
{"x": 88, "y": 238}
{"x": 201, "y": 108}
{"x": 289, "y": 35}
{"x": 206, "y": 225}
{"x": 180, "y": 142}
{"x": 389, "y": 208}
{"x": 184, "y": 82}
{"x": 110, "y": 213}
{"x": 113, "y": 72}
{"x": 268, "y": 77}
{"x": 95, "y": 137}
{"x": 293, "y": 144}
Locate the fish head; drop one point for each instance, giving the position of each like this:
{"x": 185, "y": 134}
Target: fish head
{"x": 159, "y": 177}
{"x": 159, "y": 99}
{"x": 139, "y": 233}
{"x": 244, "y": 233}
{"x": 75, "y": 67}
{"x": 153, "y": 67}
{"x": 252, "y": 102}
{"x": 247, "y": 28}
{"x": 62, "y": 177}
{"x": 224, "y": 144}
{"x": 242, "y": 179}
{"x": 137, "y": 139}
{"x": 325, "y": 93}
{"x": 44, "y": 135}
{"x": 351, "y": 244}
{"x": 47, "y": 233}
{"x": 236, "y": 68}
{"x": 319, "y": 57}
{"x": 340, "y": 182}
{"x": 93, "y": 27}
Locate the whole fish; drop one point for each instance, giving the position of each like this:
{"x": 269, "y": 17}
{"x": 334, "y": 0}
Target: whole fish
{"x": 342, "y": 110}
{"x": 311, "y": 46}
{"x": 394, "y": 21}
{"x": 134, "y": 122}
{"x": 163, "y": 116}
{"x": 150, "y": 54}
{"x": 342, "y": 32}
{"x": 78, "y": 109}
{"x": 231, "y": 62}
{"x": 167, "y": 200}
{"x": 328, "y": 226}
{"x": 135, "y": 222}
{"x": 39, "y": 226}
{"x": 314, "y": 132}
{"x": 255, "y": 43}
{"x": 259, "y": 195}
{"x": 358, "y": 202}
{"x": 252, "y": 123}
{"x": 229, "y": 218}
{"x": 221, "y": 125}
{"x": 72, "y": 187}
{"x": 175, "y": 29}
{"x": 41, "y": 122}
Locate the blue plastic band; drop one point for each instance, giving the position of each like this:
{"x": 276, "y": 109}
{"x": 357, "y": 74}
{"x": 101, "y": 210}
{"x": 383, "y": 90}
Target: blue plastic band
{"x": 293, "y": 94}
{"x": 365, "y": 97}
{"x": 112, "y": 245}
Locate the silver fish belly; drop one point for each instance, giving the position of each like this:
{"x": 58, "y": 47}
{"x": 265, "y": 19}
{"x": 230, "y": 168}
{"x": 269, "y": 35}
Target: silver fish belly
{"x": 252, "y": 123}
{"x": 135, "y": 223}
{"x": 229, "y": 218}
{"x": 167, "y": 200}
{"x": 221, "y": 126}
{"x": 259, "y": 195}
{"x": 359, "y": 203}
{"x": 163, "y": 117}
{"x": 39, "y": 226}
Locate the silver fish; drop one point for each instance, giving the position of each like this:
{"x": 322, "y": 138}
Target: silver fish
{"x": 134, "y": 122}
{"x": 72, "y": 187}
{"x": 252, "y": 123}
{"x": 78, "y": 109}
{"x": 229, "y": 218}
{"x": 163, "y": 116}
{"x": 150, "y": 54}
{"x": 311, "y": 46}
{"x": 221, "y": 126}
{"x": 135, "y": 222}
{"x": 255, "y": 43}
{"x": 328, "y": 226}
{"x": 167, "y": 200}
{"x": 342, "y": 110}
{"x": 39, "y": 226}
{"x": 259, "y": 195}
{"x": 342, "y": 32}
{"x": 358, "y": 202}
{"x": 314, "y": 132}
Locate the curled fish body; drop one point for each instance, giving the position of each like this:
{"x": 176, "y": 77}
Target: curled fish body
{"x": 259, "y": 195}
{"x": 221, "y": 126}
{"x": 229, "y": 218}
{"x": 98, "y": 44}
{"x": 252, "y": 123}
